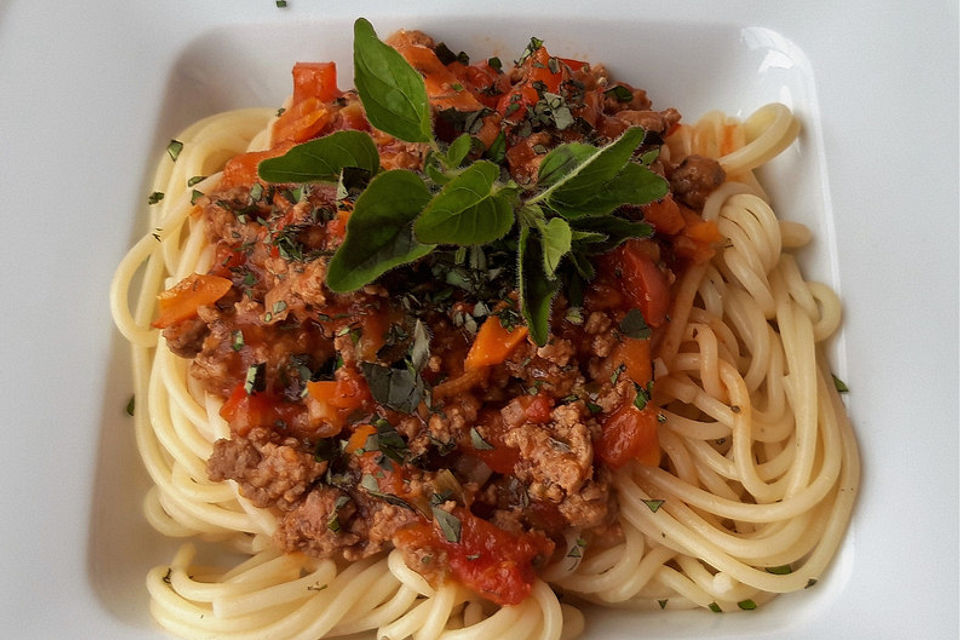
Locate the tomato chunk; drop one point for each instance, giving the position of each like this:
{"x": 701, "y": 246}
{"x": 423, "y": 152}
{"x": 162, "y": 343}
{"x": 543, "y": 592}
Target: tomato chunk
{"x": 642, "y": 282}
{"x": 497, "y": 564}
{"x": 630, "y": 433}
{"x": 315, "y": 80}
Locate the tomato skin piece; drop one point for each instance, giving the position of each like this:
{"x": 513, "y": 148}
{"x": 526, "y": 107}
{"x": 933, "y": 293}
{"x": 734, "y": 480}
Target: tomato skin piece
{"x": 495, "y": 563}
{"x": 642, "y": 283}
{"x": 244, "y": 411}
{"x": 630, "y": 433}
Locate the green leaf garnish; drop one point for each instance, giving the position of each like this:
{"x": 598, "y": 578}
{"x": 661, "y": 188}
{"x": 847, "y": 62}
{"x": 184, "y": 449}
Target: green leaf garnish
{"x": 392, "y": 92}
{"x": 715, "y": 607}
{"x": 155, "y": 197}
{"x": 620, "y": 93}
{"x": 380, "y": 231}
{"x": 468, "y": 211}
{"x": 322, "y": 159}
{"x": 131, "y": 404}
{"x": 537, "y": 290}
{"x": 556, "y": 243}
{"x": 584, "y": 180}
{"x": 747, "y": 605}
{"x": 458, "y": 150}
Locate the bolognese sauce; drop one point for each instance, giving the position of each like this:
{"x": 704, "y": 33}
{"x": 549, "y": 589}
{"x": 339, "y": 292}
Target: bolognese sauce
{"x": 417, "y": 413}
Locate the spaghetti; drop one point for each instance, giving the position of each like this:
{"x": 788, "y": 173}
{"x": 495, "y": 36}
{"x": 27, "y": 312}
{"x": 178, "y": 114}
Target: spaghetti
{"x": 751, "y": 497}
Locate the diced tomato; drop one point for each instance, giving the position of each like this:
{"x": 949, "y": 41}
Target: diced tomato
{"x": 537, "y": 408}
{"x": 699, "y": 238}
{"x": 630, "y": 434}
{"x": 494, "y": 563}
{"x": 664, "y": 215}
{"x": 641, "y": 281}
{"x": 443, "y": 88}
{"x": 185, "y": 298}
{"x": 485, "y": 83}
{"x": 500, "y": 458}
{"x": 241, "y": 170}
{"x": 337, "y": 228}
{"x": 315, "y": 80}
{"x": 244, "y": 411}
{"x": 575, "y": 65}
{"x": 536, "y": 68}
{"x": 330, "y": 403}
{"x": 634, "y": 353}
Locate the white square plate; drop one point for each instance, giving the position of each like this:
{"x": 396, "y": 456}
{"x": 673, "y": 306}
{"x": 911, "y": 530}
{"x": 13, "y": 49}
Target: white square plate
{"x": 92, "y": 94}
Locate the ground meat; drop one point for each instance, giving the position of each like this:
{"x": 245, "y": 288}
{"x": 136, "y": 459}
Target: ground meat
{"x": 185, "y": 338}
{"x": 556, "y": 458}
{"x": 316, "y": 525}
{"x": 558, "y": 351}
{"x": 658, "y": 122}
{"x": 301, "y": 290}
{"x": 695, "y": 179}
{"x": 593, "y": 505}
{"x": 381, "y": 521}
{"x": 271, "y": 471}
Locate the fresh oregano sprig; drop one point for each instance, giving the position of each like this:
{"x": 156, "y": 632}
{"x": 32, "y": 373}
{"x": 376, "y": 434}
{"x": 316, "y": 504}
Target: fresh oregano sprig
{"x": 403, "y": 216}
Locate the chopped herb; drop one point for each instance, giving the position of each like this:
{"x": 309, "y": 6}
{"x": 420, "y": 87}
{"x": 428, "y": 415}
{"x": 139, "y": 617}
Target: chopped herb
{"x": 389, "y": 441}
{"x": 634, "y": 325}
{"x": 155, "y": 197}
{"x": 314, "y": 587}
{"x": 653, "y": 505}
{"x": 616, "y": 374}
{"x": 810, "y": 583}
{"x": 456, "y": 86}
{"x": 327, "y": 449}
{"x": 477, "y": 441}
{"x": 473, "y": 556}
{"x": 662, "y": 603}
{"x": 661, "y": 418}
{"x": 620, "y": 93}
{"x": 279, "y": 306}
{"x": 782, "y": 570}
{"x": 196, "y": 179}
{"x": 532, "y": 46}
{"x": 280, "y": 111}
{"x": 238, "y": 340}
{"x": 593, "y": 408}
{"x": 398, "y": 389}
{"x": 715, "y": 607}
{"x": 174, "y": 149}
{"x": 747, "y": 605}
{"x": 166, "y": 577}
{"x": 281, "y": 4}
{"x": 574, "y": 316}
{"x": 643, "y": 395}
{"x": 840, "y": 385}
{"x": 495, "y": 64}
{"x": 256, "y": 192}
{"x": 255, "y": 381}
{"x": 554, "y": 65}
{"x": 196, "y": 195}
{"x": 449, "y": 524}
{"x": 130, "y": 405}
